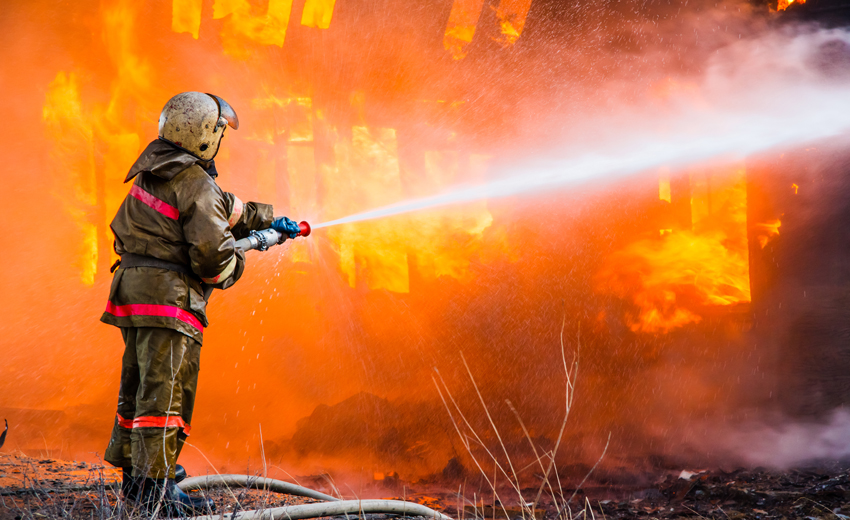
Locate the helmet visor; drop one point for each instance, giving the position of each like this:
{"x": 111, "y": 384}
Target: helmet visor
{"x": 226, "y": 112}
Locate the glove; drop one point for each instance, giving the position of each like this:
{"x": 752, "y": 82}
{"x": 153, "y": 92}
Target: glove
{"x": 286, "y": 226}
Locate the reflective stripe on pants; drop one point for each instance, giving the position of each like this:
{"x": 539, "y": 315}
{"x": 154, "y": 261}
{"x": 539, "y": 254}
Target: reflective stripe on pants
{"x": 154, "y": 422}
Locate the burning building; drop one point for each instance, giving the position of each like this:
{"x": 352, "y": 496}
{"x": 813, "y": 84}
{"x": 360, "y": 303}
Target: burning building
{"x": 690, "y": 281}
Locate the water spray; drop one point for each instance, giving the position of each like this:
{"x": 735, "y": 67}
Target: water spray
{"x": 266, "y": 238}
{"x": 730, "y": 123}
{"x": 740, "y": 111}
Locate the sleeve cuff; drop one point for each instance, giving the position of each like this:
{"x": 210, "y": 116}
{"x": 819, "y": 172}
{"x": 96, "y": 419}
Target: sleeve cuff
{"x": 223, "y": 275}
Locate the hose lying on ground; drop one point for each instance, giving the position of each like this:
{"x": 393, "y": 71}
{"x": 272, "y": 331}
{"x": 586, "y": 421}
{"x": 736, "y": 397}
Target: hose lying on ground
{"x": 331, "y": 507}
{"x": 340, "y": 507}
{"x": 247, "y": 481}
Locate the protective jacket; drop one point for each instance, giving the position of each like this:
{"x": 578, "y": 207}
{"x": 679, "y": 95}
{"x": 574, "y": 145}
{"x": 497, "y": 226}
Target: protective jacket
{"x": 175, "y": 212}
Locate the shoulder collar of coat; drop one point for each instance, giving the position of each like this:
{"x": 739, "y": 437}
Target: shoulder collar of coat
{"x": 164, "y": 160}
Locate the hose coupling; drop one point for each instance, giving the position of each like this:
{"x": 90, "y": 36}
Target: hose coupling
{"x": 262, "y": 241}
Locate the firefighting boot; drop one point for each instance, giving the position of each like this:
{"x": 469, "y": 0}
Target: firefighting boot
{"x": 129, "y": 485}
{"x": 171, "y": 501}
{"x": 180, "y": 474}
{"x": 188, "y": 505}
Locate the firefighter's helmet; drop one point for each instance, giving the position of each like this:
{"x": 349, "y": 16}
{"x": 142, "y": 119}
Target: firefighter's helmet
{"x": 195, "y": 122}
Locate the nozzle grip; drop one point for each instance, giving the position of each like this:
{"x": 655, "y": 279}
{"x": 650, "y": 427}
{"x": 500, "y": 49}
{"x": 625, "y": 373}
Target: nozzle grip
{"x": 262, "y": 240}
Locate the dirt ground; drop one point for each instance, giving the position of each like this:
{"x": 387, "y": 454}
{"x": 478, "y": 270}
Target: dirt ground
{"x": 33, "y": 489}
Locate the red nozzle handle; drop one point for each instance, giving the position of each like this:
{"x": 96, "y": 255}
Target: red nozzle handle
{"x": 305, "y": 229}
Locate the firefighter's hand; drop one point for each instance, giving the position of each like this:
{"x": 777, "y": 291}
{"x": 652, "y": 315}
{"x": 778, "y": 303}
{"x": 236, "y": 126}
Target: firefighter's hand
{"x": 286, "y": 226}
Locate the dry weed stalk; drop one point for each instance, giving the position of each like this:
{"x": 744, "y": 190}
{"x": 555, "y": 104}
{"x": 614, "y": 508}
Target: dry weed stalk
{"x": 542, "y": 458}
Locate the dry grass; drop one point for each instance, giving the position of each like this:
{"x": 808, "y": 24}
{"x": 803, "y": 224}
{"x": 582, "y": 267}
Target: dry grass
{"x": 44, "y": 488}
{"x": 37, "y": 489}
{"x": 527, "y": 506}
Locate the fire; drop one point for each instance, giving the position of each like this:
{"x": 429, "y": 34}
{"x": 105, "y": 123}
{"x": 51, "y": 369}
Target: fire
{"x": 101, "y": 128}
{"x": 318, "y": 13}
{"x": 381, "y": 253}
{"x": 512, "y": 15}
{"x": 670, "y": 278}
{"x": 784, "y": 4}
{"x": 461, "y": 26}
{"x": 464, "y": 19}
{"x": 766, "y": 231}
{"x": 664, "y": 276}
{"x": 244, "y": 26}
{"x": 368, "y": 166}
{"x": 65, "y": 120}
{"x": 186, "y": 16}
{"x": 664, "y": 187}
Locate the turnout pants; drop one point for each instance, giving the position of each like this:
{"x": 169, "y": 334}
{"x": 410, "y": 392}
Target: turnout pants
{"x": 159, "y": 376}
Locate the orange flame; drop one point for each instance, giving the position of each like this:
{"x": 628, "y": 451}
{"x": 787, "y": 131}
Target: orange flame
{"x": 380, "y": 253}
{"x": 767, "y": 230}
{"x": 242, "y": 24}
{"x": 670, "y": 278}
{"x": 186, "y": 16}
{"x": 66, "y": 122}
{"x": 461, "y": 26}
{"x": 318, "y": 13}
{"x": 784, "y": 4}
{"x": 105, "y": 128}
{"x": 512, "y": 15}
{"x": 664, "y": 187}
{"x": 463, "y": 21}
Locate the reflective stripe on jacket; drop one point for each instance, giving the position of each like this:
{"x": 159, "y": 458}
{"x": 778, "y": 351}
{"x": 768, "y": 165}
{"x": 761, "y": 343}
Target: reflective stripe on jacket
{"x": 176, "y": 212}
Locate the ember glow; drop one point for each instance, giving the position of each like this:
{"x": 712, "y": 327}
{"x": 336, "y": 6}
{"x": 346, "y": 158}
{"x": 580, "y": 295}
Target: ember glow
{"x": 482, "y": 169}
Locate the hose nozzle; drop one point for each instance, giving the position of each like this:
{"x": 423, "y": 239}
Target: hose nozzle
{"x": 305, "y": 229}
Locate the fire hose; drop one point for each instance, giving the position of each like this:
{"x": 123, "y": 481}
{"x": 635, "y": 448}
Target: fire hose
{"x": 245, "y": 481}
{"x": 266, "y": 238}
{"x": 331, "y": 507}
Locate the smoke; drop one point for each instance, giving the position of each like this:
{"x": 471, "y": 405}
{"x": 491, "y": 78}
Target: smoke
{"x": 781, "y": 442}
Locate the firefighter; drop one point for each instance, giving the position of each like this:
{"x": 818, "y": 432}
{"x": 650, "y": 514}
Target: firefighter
{"x": 175, "y": 233}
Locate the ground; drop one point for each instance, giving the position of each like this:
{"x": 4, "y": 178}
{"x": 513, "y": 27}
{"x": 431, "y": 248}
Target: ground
{"x": 35, "y": 489}
{"x": 45, "y": 488}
